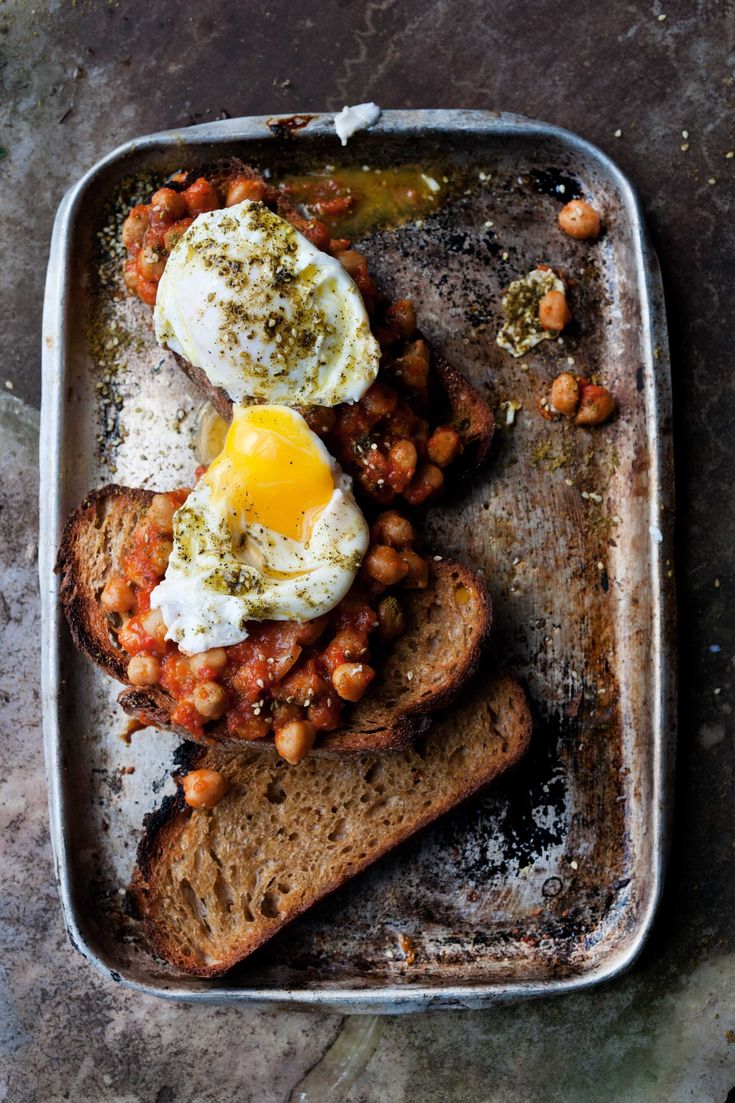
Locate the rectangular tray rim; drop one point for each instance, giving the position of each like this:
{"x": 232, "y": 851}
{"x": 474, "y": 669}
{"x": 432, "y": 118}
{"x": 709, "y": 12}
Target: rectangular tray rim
{"x": 388, "y": 998}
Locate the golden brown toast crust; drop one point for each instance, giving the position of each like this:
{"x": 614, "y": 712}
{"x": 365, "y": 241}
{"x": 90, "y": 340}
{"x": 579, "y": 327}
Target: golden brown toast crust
{"x": 480, "y": 739}
{"x": 440, "y": 648}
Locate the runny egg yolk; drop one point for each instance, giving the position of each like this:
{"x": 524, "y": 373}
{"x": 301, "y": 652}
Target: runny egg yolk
{"x": 272, "y": 471}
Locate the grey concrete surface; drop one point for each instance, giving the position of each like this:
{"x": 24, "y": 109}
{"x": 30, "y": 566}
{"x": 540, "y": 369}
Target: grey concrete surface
{"x": 79, "y": 77}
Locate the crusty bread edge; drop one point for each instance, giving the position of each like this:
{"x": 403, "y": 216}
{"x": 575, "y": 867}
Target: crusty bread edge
{"x": 161, "y": 827}
{"x": 87, "y": 621}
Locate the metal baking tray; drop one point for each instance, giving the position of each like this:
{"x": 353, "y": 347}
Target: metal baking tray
{"x": 548, "y": 882}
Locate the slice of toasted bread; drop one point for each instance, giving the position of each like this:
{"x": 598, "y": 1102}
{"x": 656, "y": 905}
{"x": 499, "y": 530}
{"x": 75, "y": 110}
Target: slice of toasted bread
{"x": 446, "y": 625}
{"x": 213, "y": 885}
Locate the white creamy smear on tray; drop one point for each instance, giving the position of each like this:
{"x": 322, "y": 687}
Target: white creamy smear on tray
{"x": 350, "y": 119}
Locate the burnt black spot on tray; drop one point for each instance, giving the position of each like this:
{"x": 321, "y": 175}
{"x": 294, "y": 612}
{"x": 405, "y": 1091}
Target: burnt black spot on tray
{"x": 286, "y": 127}
{"x": 555, "y": 183}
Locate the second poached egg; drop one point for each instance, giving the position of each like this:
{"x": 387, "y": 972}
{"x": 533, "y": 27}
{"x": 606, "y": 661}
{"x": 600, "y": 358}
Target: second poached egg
{"x": 264, "y": 313}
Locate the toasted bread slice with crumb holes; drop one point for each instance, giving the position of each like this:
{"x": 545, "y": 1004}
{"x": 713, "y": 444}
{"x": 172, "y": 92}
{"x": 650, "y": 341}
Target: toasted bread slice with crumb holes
{"x": 446, "y": 626}
{"x": 212, "y": 885}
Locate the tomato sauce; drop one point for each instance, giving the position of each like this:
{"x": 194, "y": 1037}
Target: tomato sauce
{"x": 281, "y": 672}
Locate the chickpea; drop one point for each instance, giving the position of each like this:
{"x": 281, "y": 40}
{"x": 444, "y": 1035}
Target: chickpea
{"x": 204, "y": 788}
{"x": 294, "y": 740}
{"x": 553, "y": 311}
{"x": 353, "y": 262}
{"x": 565, "y": 394}
{"x": 144, "y": 670}
{"x": 310, "y": 631}
{"x": 379, "y": 401}
{"x": 320, "y": 419}
{"x": 352, "y": 679}
{"x": 175, "y": 232}
{"x": 241, "y": 188}
{"x": 317, "y": 233}
{"x": 134, "y": 226}
{"x": 130, "y": 275}
{"x": 154, "y": 624}
{"x": 168, "y": 204}
{"x": 393, "y": 529}
{"x": 391, "y": 620}
{"x": 161, "y": 513}
{"x": 385, "y": 565}
{"x": 579, "y": 219}
{"x": 210, "y": 700}
{"x": 151, "y": 263}
{"x": 347, "y": 644}
{"x": 209, "y": 662}
{"x": 117, "y": 595}
{"x": 159, "y": 555}
{"x": 404, "y": 457}
{"x": 417, "y": 577}
{"x": 427, "y": 481}
{"x": 595, "y": 406}
{"x": 413, "y": 366}
{"x": 401, "y": 317}
{"x": 443, "y": 445}
{"x": 201, "y": 196}
{"x": 146, "y": 290}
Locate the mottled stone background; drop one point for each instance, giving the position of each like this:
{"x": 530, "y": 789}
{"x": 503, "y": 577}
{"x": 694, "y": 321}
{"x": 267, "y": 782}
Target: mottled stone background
{"x": 78, "y": 77}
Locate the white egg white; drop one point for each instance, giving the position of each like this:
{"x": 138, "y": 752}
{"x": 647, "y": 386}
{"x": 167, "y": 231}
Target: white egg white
{"x": 264, "y": 313}
{"x": 217, "y": 580}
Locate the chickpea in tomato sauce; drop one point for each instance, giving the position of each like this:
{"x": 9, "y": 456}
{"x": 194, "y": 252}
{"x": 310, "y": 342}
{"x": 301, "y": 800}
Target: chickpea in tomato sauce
{"x": 286, "y": 680}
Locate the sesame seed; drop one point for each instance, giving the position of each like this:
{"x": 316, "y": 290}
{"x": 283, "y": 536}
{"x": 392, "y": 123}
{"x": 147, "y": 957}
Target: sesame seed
{"x": 730, "y": 154}
{"x": 662, "y": 18}
{"x": 504, "y": 256}
{"x": 712, "y": 180}
{"x": 260, "y": 683}
{"x": 409, "y": 675}
{"x": 374, "y": 447}
{"x": 488, "y": 225}
{"x": 437, "y": 559}
{"x": 685, "y": 133}
{"x": 684, "y": 147}
{"x": 574, "y": 864}
{"x": 9, "y": 384}
{"x": 618, "y": 134}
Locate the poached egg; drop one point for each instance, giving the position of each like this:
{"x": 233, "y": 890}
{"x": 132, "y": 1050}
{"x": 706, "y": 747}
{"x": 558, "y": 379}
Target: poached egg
{"x": 270, "y": 532}
{"x": 263, "y": 312}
